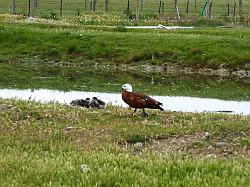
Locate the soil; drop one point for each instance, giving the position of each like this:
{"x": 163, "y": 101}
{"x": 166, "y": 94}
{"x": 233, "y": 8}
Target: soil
{"x": 199, "y": 144}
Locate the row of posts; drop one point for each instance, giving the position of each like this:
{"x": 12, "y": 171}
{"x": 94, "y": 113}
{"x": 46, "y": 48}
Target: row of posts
{"x": 207, "y": 8}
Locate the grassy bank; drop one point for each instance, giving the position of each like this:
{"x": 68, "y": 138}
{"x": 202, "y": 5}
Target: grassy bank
{"x": 212, "y": 47}
{"x": 60, "y": 145}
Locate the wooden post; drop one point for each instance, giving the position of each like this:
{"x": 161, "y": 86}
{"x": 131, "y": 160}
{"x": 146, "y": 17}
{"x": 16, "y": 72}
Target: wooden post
{"x": 29, "y": 8}
{"x": 175, "y": 4}
{"x": 14, "y": 7}
{"x": 93, "y": 5}
{"x": 210, "y": 11}
{"x": 61, "y": 7}
{"x": 85, "y": 4}
{"x": 178, "y": 13}
{"x": 128, "y": 7}
{"x": 106, "y": 6}
{"x": 240, "y": 8}
{"x": 159, "y": 8}
{"x": 228, "y": 9}
{"x": 94, "y": 2}
{"x": 33, "y": 2}
{"x": 162, "y": 10}
{"x": 187, "y": 7}
{"x": 234, "y": 11}
{"x": 137, "y": 11}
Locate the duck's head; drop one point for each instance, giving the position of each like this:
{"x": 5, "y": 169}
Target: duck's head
{"x": 127, "y": 87}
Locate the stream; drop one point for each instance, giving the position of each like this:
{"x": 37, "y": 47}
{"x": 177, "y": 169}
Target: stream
{"x": 172, "y": 103}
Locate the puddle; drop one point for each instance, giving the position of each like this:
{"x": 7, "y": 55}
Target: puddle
{"x": 184, "y": 104}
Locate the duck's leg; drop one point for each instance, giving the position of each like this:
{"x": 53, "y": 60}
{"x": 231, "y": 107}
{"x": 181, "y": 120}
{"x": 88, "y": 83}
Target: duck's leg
{"x": 134, "y": 112}
{"x": 144, "y": 114}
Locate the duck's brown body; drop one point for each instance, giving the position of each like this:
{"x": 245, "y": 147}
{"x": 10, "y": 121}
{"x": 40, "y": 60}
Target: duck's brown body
{"x": 138, "y": 100}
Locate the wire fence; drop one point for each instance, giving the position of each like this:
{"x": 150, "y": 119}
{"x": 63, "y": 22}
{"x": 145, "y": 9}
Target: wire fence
{"x": 169, "y": 8}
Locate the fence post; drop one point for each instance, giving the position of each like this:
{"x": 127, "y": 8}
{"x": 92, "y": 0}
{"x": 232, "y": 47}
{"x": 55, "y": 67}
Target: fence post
{"x": 234, "y": 11}
{"x": 61, "y": 7}
{"x": 29, "y": 8}
{"x": 210, "y": 11}
{"x": 94, "y": 3}
{"x": 240, "y": 8}
{"x": 163, "y": 5}
{"x": 14, "y": 7}
{"x": 187, "y": 7}
{"x": 228, "y": 9}
{"x": 141, "y": 4}
{"x": 159, "y": 8}
{"x": 128, "y": 7}
{"x": 137, "y": 10}
{"x": 33, "y": 8}
{"x": 175, "y": 4}
{"x": 85, "y": 4}
{"x": 106, "y": 6}
{"x": 178, "y": 13}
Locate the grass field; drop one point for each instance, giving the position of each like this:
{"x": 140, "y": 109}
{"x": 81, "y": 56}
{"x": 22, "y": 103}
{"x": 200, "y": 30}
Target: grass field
{"x": 70, "y": 42}
{"x": 60, "y": 145}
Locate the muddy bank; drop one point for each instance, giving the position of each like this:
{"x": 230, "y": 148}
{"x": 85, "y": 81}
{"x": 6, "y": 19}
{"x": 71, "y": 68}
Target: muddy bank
{"x": 165, "y": 68}
{"x": 172, "y": 68}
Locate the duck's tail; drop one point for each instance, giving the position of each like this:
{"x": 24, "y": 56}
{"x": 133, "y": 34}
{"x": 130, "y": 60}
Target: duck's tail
{"x": 159, "y": 106}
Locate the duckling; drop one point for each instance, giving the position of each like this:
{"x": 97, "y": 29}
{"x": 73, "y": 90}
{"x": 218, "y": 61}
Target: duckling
{"x": 81, "y": 102}
{"x": 97, "y": 103}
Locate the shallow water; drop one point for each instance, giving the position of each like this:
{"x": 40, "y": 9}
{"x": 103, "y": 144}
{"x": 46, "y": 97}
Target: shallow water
{"x": 184, "y": 104}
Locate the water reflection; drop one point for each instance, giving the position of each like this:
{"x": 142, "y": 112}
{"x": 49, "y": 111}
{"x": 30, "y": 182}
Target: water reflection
{"x": 185, "y": 104}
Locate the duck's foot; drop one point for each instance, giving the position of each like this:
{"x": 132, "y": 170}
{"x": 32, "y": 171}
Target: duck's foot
{"x": 134, "y": 112}
{"x": 144, "y": 114}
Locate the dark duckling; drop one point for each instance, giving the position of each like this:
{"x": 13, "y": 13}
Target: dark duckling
{"x": 97, "y": 103}
{"x": 81, "y": 102}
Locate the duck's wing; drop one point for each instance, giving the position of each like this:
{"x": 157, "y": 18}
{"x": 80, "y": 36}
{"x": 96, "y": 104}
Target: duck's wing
{"x": 139, "y": 100}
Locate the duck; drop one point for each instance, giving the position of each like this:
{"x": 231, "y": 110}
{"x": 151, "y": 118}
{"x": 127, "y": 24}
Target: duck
{"x": 81, "y": 102}
{"x": 139, "y": 100}
{"x": 97, "y": 103}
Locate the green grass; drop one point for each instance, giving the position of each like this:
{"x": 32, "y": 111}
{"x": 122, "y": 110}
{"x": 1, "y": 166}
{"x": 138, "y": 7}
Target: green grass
{"x": 76, "y": 44}
{"x": 45, "y": 145}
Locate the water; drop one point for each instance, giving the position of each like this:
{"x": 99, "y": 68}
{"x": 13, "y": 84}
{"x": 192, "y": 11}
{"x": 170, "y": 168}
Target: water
{"x": 184, "y": 104}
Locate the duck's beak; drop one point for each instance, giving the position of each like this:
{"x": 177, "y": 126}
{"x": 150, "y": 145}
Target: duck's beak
{"x": 122, "y": 89}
